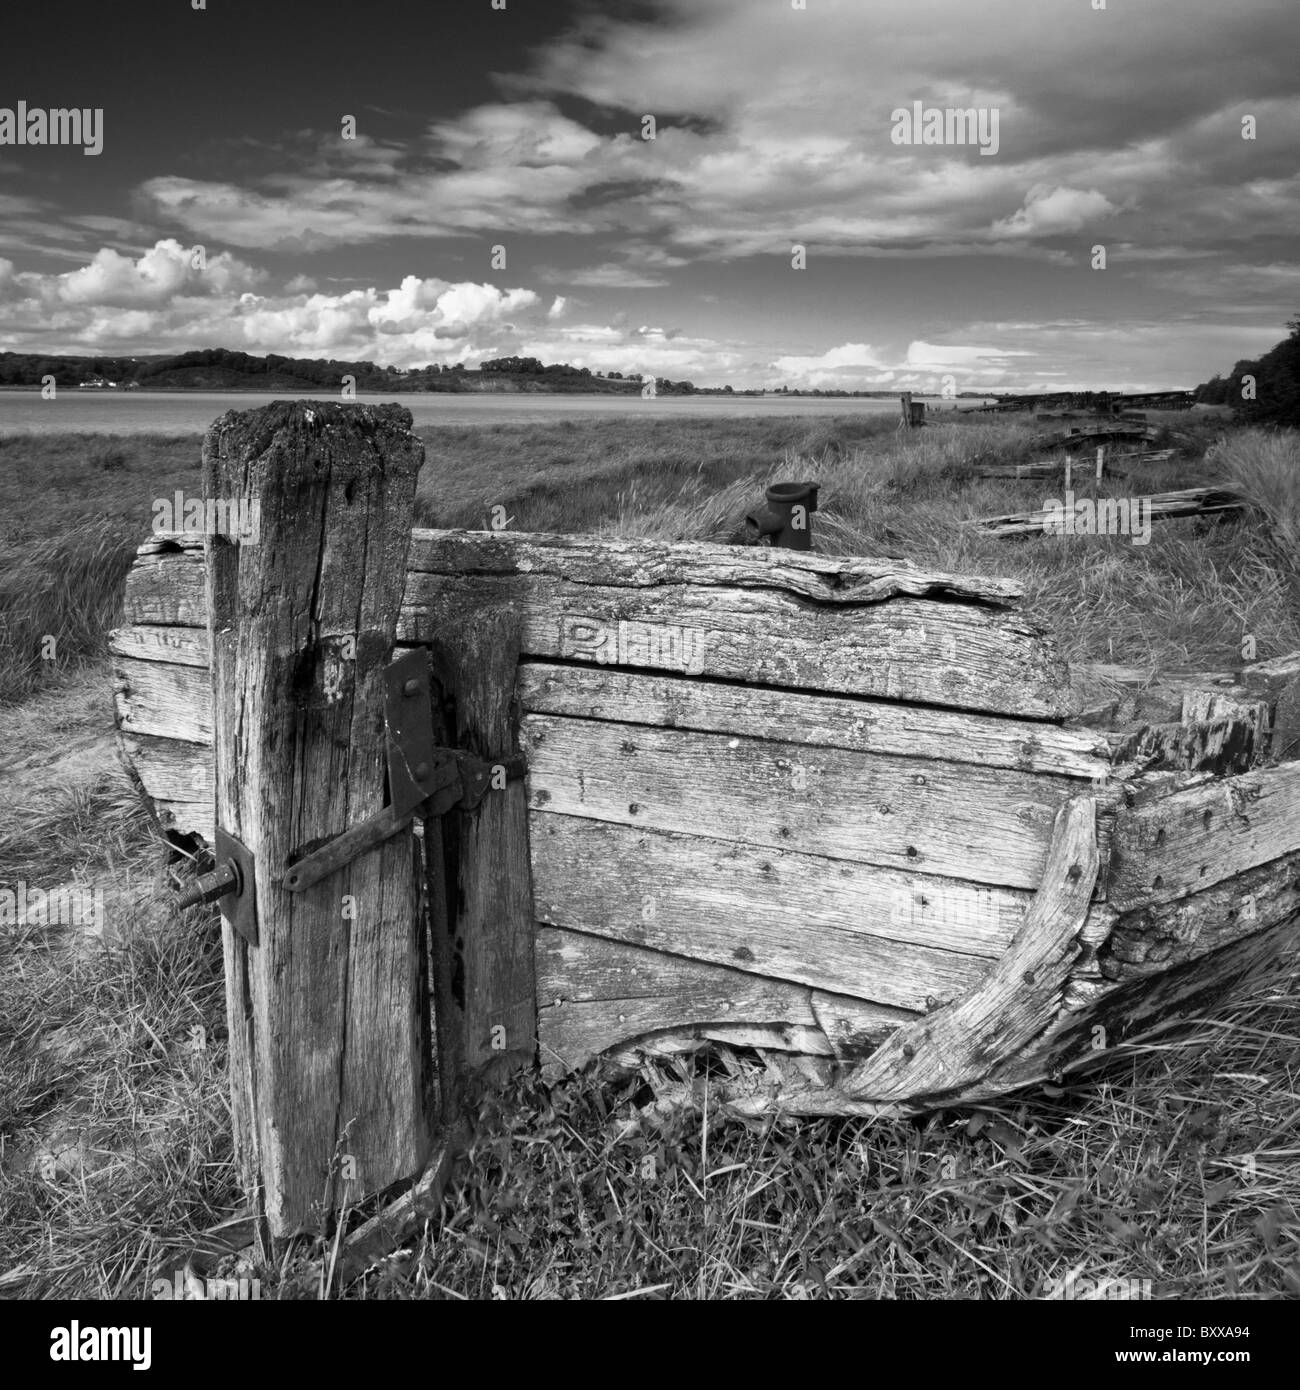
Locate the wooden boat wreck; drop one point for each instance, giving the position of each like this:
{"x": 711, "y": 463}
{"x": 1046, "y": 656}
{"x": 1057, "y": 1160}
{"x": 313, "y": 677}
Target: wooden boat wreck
{"x": 852, "y": 820}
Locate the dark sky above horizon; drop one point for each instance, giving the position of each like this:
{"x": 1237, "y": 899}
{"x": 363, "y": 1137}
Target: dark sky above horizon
{"x": 522, "y": 128}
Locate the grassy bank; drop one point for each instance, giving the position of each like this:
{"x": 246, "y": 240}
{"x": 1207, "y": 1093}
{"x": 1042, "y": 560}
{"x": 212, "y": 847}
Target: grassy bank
{"x": 1178, "y": 1165}
{"x": 75, "y": 507}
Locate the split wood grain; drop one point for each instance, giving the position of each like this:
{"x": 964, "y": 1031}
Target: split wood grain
{"x": 1161, "y": 935}
{"x": 844, "y": 928}
{"x": 868, "y": 726}
{"x": 955, "y": 655}
{"x": 985, "y": 825}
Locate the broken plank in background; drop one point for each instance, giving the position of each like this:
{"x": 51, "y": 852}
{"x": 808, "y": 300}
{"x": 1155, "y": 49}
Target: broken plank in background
{"x": 1195, "y": 501}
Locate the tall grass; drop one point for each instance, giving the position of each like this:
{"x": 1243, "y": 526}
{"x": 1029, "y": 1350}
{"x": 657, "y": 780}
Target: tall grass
{"x": 1264, "y": 467}
{"x": 58, "y": 604}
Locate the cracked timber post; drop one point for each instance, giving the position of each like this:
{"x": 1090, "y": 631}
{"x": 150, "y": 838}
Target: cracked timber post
{"x": 331, "y": 1077}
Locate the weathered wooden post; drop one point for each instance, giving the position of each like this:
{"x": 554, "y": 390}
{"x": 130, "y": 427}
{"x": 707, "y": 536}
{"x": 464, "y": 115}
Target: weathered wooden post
{"x": 331, "y": 1079}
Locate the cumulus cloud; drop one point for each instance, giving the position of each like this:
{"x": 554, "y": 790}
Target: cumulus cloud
{"x": 162, "y": 300}
{"x": 854, "y": 355}
{"x": 1055, "y": 211}
{"x": 154, "y": 278}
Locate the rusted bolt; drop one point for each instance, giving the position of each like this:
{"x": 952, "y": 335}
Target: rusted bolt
{"x": 209, "y": 887}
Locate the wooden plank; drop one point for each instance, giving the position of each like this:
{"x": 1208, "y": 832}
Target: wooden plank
{"x": 167, "y": 700}
{"x": 170, "y": 769}
{"x": 594, "y": 994}
{"x": 987, "y": 825}
{"x": 1154, "y": 938}
{"x": 1196, "y": 501}
{"x": 883, "y": 937}
{"x": 163, "y": 586}
{"x": 717, "y": 610}
{"x": 853, "y": 1027}
{"x": 330, "y": 1049}
{"x": 186, "y": 646}
{"x": 604, "y": 563}
{"x": 170, "y": 696}
{"x": 163, "y": 699}
{"x": 865, "y": 726}
{"x": 166, "y": 587}
{"x": 957, "y": 655}
{"x": 476, "y": 660}
{"x": 187, "y": 817}
{"x": 1196, "y": 838}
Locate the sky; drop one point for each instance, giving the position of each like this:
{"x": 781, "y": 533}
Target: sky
{"x": 440, "y": 181}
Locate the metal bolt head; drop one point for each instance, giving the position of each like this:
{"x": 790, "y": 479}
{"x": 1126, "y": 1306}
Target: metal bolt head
{"x": 411, "y": 687}
{"x": 420, "y": 772}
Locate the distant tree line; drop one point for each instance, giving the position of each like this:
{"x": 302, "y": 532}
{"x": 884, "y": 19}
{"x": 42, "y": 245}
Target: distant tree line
{"x": 221, "y": 368}
{"x": 1276, "y": 390}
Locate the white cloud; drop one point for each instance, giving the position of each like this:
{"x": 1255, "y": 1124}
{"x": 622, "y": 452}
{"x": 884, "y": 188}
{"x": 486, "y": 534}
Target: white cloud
{"x": 161, "y": 301}
{"x": 153, "y": 278}
{"x": 1054, "y": 212}
{"x": 847, "y": 355}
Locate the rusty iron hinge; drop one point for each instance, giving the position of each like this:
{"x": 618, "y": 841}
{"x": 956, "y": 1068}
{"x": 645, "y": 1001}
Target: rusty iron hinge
{"x": 423, "y": 778}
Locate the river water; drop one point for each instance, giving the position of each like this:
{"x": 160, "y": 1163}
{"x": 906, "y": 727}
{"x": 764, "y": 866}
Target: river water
{"x": 191, "y": 412}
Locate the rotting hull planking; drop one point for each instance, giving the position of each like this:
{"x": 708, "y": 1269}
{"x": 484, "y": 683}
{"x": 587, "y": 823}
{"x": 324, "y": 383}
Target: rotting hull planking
{"x": 843, "y": 815}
